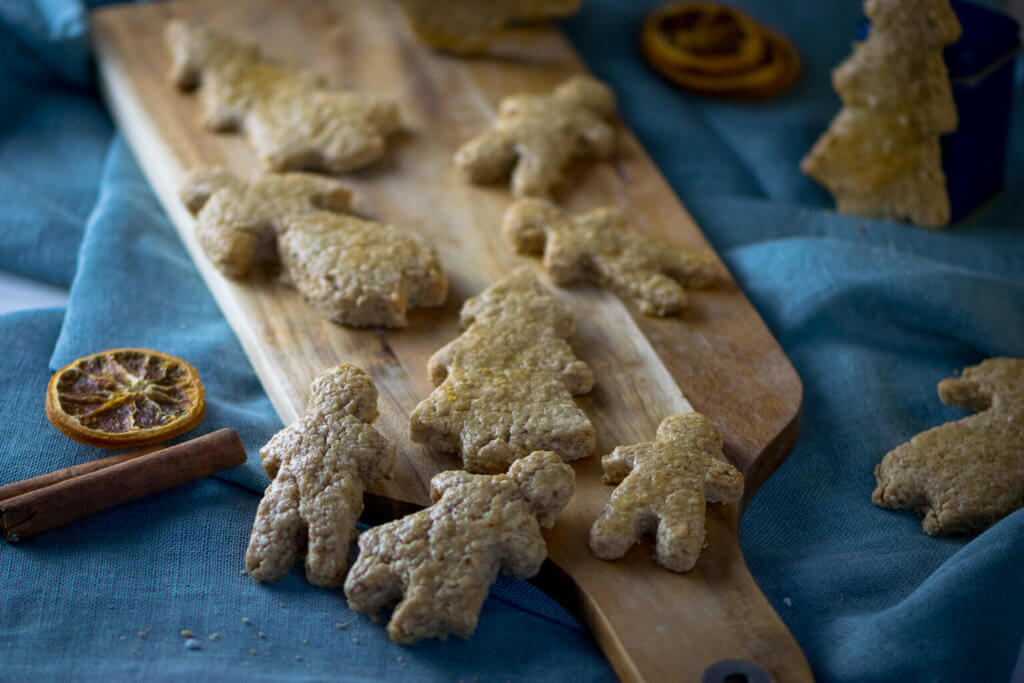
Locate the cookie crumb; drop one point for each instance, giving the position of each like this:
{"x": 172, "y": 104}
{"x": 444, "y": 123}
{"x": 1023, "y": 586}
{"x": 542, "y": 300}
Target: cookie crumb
{"x": 341, "y": 625}
{"x": 261, "y": 634}
{"x": 787, "y": 602}
{"x": 185, "y": 633}
{"x": 193, "y": 644}
{"x": 245, "y": 620}
{"x": 123, "y": 638}
{"x": 142, "y": 634}
{"x": 305, "y": 641}
{"x": 298, "y": 658}
{"x": 214, "y": 636}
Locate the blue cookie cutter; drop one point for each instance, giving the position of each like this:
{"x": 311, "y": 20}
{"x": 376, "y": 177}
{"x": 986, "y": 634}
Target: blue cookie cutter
{"x": 981, "y": 70}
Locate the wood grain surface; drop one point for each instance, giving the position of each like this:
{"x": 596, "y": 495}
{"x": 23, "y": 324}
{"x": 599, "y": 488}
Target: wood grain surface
{"x": 652, "y": 624}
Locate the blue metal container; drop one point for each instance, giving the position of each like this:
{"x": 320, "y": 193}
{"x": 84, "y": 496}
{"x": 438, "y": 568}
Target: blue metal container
{"x": 981, "y": 71}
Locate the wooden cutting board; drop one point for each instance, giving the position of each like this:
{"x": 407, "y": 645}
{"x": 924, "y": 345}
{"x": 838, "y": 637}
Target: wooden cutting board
{"x": 652, "y": 624}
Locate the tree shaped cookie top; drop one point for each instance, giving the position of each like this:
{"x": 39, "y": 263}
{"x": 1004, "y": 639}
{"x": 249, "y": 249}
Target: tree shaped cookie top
{"x": 665, "y": 485}
{"x": 319, "y": 466}
{"x": 600, "y": 247}
{"x": 439, "y": 563}
{"x": 964, "y": 476}
{"x": 535, "y": 137}
{"x": 468, "y": 26}
{"x": 354, "y": 272}
{"x": 881, "y": 155}
{"x": 290, "y": 117}
{"x": 506, "y": 384}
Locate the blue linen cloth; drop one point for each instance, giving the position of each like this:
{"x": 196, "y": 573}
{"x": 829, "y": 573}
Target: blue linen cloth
{"x": 872, "y": 313}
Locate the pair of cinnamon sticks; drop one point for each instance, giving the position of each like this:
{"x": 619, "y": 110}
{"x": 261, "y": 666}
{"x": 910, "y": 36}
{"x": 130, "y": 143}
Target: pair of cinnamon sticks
{"x": 46, "y": 502}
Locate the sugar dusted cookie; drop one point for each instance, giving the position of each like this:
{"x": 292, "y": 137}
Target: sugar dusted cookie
{"x": 291, "y": 118}
{"x": 319, "y": 466}
{"x": 354, "y": 272}
{"x": 964, "y": 476}
{"x": 600, "y": 247}
{"x": 664, "y": 487}
{"x": 238, "y": 221}
{"x": 439, "y": 563}
{"x": 535, "y": 137}
{"x": 505, "y": 386}
{"x": 360, "y": 273}
{"x": 881, "y": 155}
{"x": 468, "y": 26}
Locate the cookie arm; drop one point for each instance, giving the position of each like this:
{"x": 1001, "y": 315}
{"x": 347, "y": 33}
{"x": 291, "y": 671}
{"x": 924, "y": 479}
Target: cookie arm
{"x": 524, "y": 550}
{"x": 526, "y": 224}
{"x": 964, "y": 392}
{"x": 693, "y": 268}
{"x": 619, "y": 463}
{"x": 446, "y": 480}
{"x": 487, "y": 158}
{"x": 723, "y": 482}
{"x": 202, "y": 181}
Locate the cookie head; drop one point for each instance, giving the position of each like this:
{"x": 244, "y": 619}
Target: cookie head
{"x": 546, "y": 482}
{"x": 344, "y": 389}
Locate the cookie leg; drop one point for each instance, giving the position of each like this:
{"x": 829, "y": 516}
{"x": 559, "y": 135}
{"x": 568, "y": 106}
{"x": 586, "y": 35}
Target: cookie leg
{"x": 277, "y": 533}
{"x": 331, "y": 516}
{"x": 372, "y": 584}
{"x": 614, "y": 532}
{"x": 680, "y": 535}
{"x": 422, "y": 615}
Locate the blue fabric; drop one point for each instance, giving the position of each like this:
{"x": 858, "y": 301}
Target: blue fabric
{"x": 872, "y": 313}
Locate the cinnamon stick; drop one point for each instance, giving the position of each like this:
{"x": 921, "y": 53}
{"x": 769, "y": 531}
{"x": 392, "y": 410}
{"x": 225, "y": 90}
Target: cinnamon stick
{"x": 73, "y": 496}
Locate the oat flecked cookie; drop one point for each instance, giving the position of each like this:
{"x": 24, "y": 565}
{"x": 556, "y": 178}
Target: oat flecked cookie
{"x": 665, "y": 485}
{"x": 964, "y": 476}
{"x": 352, "y": 271}
{"x": 600, "y": 247}
{"x": 439, "y": 563}
{"x": 881, "y": 155}
{"x": 290, "y": 117}
{"x": 505, "y": 386}
{"x": 319, "y": 466}
{"x": 468, "y": 26}
{"x": 535, "y": 137}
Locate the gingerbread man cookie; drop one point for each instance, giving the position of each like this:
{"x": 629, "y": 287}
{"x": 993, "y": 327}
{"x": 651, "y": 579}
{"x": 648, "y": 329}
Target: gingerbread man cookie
{"x": 292, "y": 120}
{"x": 505, "y": 386}
{"x": 319, "y": 466}
{"x": 600, "y": 247}
{"x": 536, "y": 136}
{"x": 468, "y": 26}
{"x": 353, "y": 272}
{"x": 439, "y": 563}
{"x": 665, "y": 486}
{"x": 964, "y": 476}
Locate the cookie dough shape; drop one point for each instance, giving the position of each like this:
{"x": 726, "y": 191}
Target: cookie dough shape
{"x": 291, "y": 118}
{"x": 353, "y": 272}
{"x": 535, "y": 137}
{"x": 963, "y": 476}
{"x": 880, "y": 156}
{"x": 599, "y": 247}
{"x": 505, "y": 386}
{"x": 319, "y": 467}
{"x": 468, "y": 26}
{"x": 439, "y": 563}
{"x": 664, "y": 488}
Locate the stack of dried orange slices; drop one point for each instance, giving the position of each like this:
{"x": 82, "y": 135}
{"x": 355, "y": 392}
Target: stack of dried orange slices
{"x": 718, "y": 50}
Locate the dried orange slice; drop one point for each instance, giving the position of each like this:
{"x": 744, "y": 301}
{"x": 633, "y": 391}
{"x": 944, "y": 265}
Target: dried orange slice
{"x": 716, "y": 50}
{"x": 125, "y": 398}
{"x": 705, "y": 36}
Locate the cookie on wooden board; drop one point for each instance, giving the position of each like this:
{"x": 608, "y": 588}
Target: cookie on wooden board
{"x": 535, "y": 137}
{"x": 505, "y": 387}
{"x": 665, "y": 485}
{"x": 319, "y": 467}
{"x": 601, "y": 248}
{"x": 290, "y": 116}
{"x": 353, "y": 271}
{"x": 469, "y": 26}
{"x": 438, "y": 564}
{"x": 963, "y": 476}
